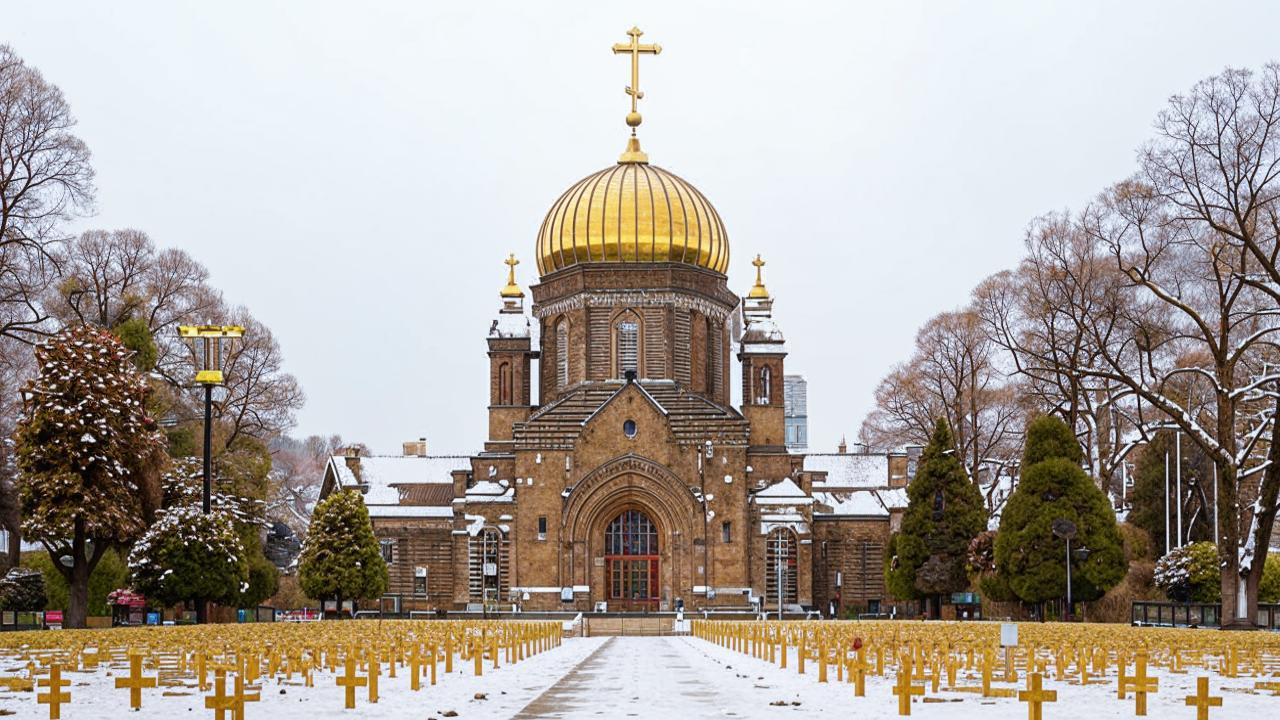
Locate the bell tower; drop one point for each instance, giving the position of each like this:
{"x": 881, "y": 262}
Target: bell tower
{"x": 510, "y": 363}
{"x": 762, "y": 353}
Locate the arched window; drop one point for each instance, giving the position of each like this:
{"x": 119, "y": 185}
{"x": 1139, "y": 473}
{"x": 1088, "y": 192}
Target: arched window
{"x": 504, "y": 384}
{"x": 562, "y": 353}
{"x": 764, "y": 389}
{"x": 780, "y": 567}
{"x": 626, "y": 338}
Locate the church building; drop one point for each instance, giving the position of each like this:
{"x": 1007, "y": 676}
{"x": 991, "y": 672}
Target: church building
{"x": 629, "y": 482}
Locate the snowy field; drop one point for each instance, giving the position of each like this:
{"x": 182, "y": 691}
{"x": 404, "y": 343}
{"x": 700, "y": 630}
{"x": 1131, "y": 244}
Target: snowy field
{"x": 672, "y": 678}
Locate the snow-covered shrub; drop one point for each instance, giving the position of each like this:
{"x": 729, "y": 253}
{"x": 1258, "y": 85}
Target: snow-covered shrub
{"x": 1190, "y": 573}
{"x": 187, "y": 555}
{"x": 22, "y": 589}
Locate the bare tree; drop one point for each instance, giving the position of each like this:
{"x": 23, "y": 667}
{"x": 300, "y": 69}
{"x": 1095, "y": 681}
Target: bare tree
{"x": 297, "y": 471}
{"x": 955, "y": 373}
{"x": 1041, "y": 315}
{"x": 1196, "y": 234}
{"x": 45, "y": 178}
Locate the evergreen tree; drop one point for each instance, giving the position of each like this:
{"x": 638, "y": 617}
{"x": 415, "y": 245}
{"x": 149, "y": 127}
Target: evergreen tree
{"x": 88, "y": 455}
{"x": 944, "y": 514}
{"x": 1054, "y": 486}
{"x": 1150, "y": 502}
{"x": 341, "y": 558}
{"x": 188, "y": 555}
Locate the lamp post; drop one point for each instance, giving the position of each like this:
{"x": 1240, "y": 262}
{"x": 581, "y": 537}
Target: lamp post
{"x": 211, "y": 345}
{"x": 1066, "y": 530}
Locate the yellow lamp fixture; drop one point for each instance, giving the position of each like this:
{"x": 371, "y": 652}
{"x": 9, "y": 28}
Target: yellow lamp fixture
{"x": 211, "y": 345}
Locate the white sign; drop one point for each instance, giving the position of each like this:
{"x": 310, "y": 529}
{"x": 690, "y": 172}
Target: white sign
{"x": 490, "y": 569}
{"x": 1008, "y": 635}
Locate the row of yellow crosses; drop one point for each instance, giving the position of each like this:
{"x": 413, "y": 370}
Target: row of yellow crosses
{"x": 239, "y": 657}
{"x": 1079, "y": 654}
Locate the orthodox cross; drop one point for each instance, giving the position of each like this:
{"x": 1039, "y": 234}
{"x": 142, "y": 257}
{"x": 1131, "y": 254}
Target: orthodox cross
{"x": 759, "y": 263}
{"x": 511, "y": 263}
{"x": 636, "y": 50}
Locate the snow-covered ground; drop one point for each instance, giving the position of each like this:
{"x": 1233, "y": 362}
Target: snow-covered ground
{"x": 672, "y": 678}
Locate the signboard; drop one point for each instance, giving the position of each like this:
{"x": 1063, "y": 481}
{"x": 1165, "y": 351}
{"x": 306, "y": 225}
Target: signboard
{"x": 153, "y": 618}
{"x": 566, "y": 594}
{"x": 53, "y": 619}
{"x": 964, "y": 598}
{"x": 490, "y": 569}
{"x": 1008, "y": 634}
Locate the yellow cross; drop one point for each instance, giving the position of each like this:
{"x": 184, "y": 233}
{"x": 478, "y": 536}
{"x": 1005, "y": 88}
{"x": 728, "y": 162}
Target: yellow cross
{"x": 904, "y": 689}
{"x": 1140, "y": 683}
{"x": 220, "y": 702}
{"x": 1202, "y": 700}
{"x": 350, "y": 681}
{"x": 135, "y": 682}
{"x": 240, "y": 698}
{"x": 1035, "y": 696}
{"x": 636, "y": 50}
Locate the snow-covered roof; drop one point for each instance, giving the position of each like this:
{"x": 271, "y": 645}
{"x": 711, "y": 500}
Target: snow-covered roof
{"x": 490, "y": 491}
{"x": 783, "y": 492}
{"x": 382, "y": 477}
{"x": 862, "y": 503}
{"x": 849, "y": 470}
{"x": 893, "y": 499}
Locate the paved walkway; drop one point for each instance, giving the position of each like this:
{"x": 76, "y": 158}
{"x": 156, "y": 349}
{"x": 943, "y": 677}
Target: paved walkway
{"x": 648, "y": 677}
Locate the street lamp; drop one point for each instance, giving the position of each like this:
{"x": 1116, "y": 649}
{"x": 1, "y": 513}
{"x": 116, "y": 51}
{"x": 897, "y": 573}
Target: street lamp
{"x": 1066, "y": 530}
{"x": 211, "y": 345}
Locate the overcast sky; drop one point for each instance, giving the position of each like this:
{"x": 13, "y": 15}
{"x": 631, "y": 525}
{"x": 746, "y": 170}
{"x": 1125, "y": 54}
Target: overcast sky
{"x": 355, "y": 172}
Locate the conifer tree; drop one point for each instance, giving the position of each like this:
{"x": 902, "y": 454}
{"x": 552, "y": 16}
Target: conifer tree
{"x": 88, "y": 455}
{"x": 1054, "y": 486}
{"x": 188, "y": 555}
{"x": 944, "y": 514}
{"x": 341, "y": 558}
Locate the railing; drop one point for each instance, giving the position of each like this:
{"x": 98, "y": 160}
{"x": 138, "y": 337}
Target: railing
{"x": 1204, "y": 615}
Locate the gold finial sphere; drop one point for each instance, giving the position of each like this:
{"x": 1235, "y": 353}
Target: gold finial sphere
{"x": 633, "y": 119}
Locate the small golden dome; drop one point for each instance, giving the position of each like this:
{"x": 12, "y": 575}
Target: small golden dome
{"x": 632, "y": 212}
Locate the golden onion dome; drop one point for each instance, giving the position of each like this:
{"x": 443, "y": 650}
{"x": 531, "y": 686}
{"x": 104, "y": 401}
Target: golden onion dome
{"x": 632, "y": 212}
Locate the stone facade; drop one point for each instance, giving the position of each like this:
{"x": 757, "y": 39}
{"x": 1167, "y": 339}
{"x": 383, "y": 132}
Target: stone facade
{"x": 630, "y": 482}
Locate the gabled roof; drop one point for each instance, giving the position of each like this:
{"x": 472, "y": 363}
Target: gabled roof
{"x": 692, "y": 417}
{"x": 783, "y": 492}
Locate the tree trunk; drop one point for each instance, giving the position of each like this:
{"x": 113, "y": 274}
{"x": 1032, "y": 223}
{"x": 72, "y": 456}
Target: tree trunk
{"x": 78, "y": 582}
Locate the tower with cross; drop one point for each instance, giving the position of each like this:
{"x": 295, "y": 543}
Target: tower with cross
{"x": 635, "y": 49}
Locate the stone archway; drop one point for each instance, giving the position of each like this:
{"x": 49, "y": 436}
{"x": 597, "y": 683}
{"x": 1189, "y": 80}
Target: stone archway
{"x": 633, "y": 483}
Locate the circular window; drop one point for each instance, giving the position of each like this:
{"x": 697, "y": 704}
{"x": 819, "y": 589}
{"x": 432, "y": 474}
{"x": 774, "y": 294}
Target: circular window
{"x": 629, "y": 428}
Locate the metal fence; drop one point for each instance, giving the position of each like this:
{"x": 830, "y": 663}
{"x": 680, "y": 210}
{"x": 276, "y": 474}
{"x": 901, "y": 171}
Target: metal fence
{"x": 1205, "y": 615}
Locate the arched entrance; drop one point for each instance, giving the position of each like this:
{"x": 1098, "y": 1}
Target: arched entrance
{"x": 632, "y": 562}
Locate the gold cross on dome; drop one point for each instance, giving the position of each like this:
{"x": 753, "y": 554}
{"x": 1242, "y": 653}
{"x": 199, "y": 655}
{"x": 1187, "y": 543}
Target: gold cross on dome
{"x": 511, "y": 290}
{"x": 636, "y": 50}
{"x": 759, "y": 291}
